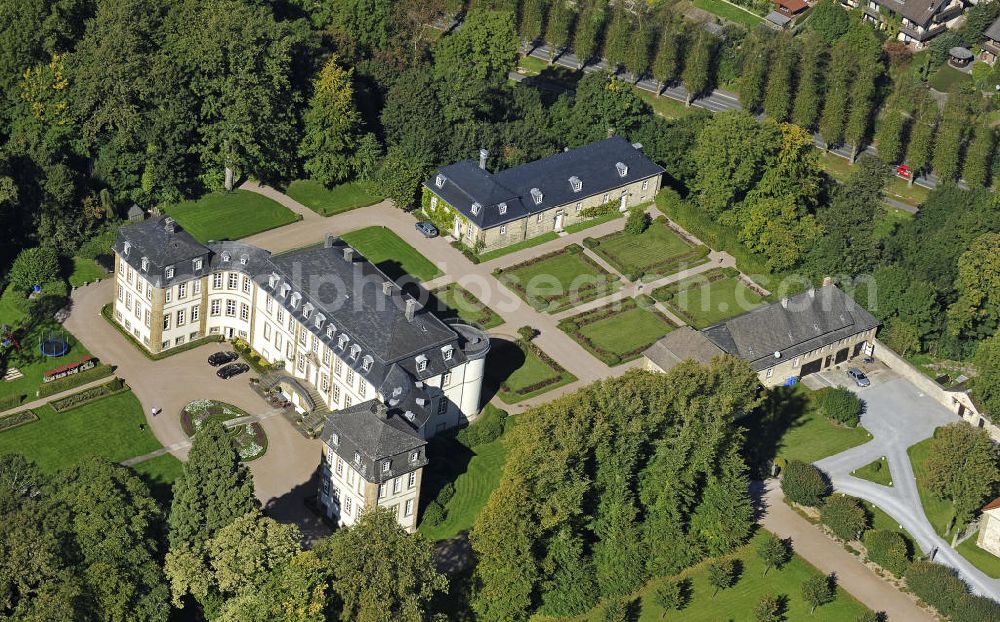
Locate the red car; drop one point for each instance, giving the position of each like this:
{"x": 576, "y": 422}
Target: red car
{"x": 903, "y": 171}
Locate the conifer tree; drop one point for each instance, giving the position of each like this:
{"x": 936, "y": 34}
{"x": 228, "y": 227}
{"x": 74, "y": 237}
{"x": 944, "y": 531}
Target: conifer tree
{"x": 332, "y": 126}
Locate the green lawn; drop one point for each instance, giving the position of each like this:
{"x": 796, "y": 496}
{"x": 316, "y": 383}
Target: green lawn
{"x": 737, "y": 602}
{"x": 519, "y": 372}
{"x": 593, "y": 222}
{"x": 520, "y": 246}
{"x": 877, "y": 471}
{"x": 940, "y": 512}
{"x": 532, "y": 66}
{"x": 456, "y": 301}
{"x": 890, "y": 220}
{"x": 159, "y": 474}
{"x": 475, "y": 477}
{"x": 703, "y": 300}
{"x": 984, "y": 560}
{"x": 663, "y": 105}
{"x": 559, "y": 280}
{"x": 790, "y": 426}
{"x": 30, "y": 361}
{"x": 895, "y": 187}
{"x": 656, "y": 252}
{"x": 947, "y": 79}
{"x": 86, "y": 271}
{"x": 230, "y": 215}
{"x": 729, "y": 12}
{"x": 391, "y": 254}
{"x": 329, "y": 201}
{"x": 617, "y": 336}
{"x": 107, "y": 427}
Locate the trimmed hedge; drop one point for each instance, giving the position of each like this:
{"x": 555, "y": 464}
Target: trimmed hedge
{"x": 14, "y": 420}
{"x": 939, "y": 587}
{"x": 88, "y": 395}
{"x": 888, "y": 549}
{"x": 845, "y": 516}
{"x": 488, "y": 428}
{"x": 251, "y": 356}
{"x": 591, "y": 290}
{"x": 666, "y": 292}
{"x": 573, "y": 326}
{"x": 560, "y": 377}
{"x": 106, "y": 312}
{"x": 804, "y": 484}
{"x": 75, "y": 380}
{"x": 11, "y": 401}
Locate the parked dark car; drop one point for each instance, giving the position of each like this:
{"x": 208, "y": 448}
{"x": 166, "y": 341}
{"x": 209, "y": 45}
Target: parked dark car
{"x": 221, "y": 358}
{"x": 428, "y": 229}
{"x": 859, "y": 377}
{"x": 233, "y": 369}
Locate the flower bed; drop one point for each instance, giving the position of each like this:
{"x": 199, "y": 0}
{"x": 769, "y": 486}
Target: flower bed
{"x": 88, "y": 395}
{"x": 17, "y": 419}
{"x": 249, "y": 439}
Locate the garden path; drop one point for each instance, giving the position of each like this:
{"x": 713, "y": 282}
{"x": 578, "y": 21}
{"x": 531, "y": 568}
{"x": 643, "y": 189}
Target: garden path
{"x": 55, "y": 396}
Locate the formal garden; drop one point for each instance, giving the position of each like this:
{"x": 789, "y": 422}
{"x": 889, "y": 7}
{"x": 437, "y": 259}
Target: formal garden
{"x": 559, "y": 280}
{"x": 391, "y": 253}
{"x": 454, "y": 301}
{"x": 230, "y": 215}
{"x": 521, "y": 370}
{"x": 249, "y": 438}
{"x": 656, "y": 252}
{"x": 329, "y": 201}
{"x": 708, "y": 298}
{"x": 618, "y": 332}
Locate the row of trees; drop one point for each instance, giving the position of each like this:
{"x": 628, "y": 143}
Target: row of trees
{"x": 628, "y": 478}
{"x": 90, "y": 543}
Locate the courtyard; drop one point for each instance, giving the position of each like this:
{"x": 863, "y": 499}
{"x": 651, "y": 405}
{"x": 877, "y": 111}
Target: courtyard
{"x": 656, "y": 252}
{"x": 619, "y": 332}
{"x": 708, "y": 298}
{"x": 559, "y": 280}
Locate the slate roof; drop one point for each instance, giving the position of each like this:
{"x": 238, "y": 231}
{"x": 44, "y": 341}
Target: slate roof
{"x": 793, "y": 327}
{"x": 778, "y": 19}
{"x": 161, "y": 247}
{"x": 593, "y": 164}
{"x": 377, "y": 433}
{"x": 680, "y": 345}
{"x": 993, "y": 32}
{"x": 918, "y": 11}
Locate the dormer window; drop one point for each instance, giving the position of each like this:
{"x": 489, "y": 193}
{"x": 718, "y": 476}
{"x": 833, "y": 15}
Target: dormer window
{"x": 307, "y": 309}
{"x": 196, "y": 264}
{"x": 622, "y": 169}
{"x": 320, "y": 318}
{"x": 357, "y": 457}
{"x": 226, "y": 256}
{"x": 503, "y": 208}
{"x": 415, "y": 455}
{"x": 285, "y": 288}
{"x": 386, "y": 465}
{"x": 447, "y": 352}
{"x": 475, "y": 208}
{"x": 330, "y": 330}
{"x": 575, "y": 183}
{"x": 294, "y": 301}
{"x": 272, "y": 280}
{"x": 334, "y": 439}
{"x": 126, "y": 248}
{"x": 439, "y": 180}
{"x": 366, "y": 363}
{"x": 145, "y": 264}
{"x": 536, "y": 196}
{"x": 355, "y": 351}
{"x": 244, "y": 258}
{"x": 342, "y": 341}
{"x": 421, "y": 363}
{"x": 169, "y": 272}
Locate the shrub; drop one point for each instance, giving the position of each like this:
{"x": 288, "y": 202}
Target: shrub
{"x": 645, "y": 301}
{"x": 637, "y": 221}
{"x": 591, "y": 243}
{"x": 446, "y": 494}
{"x": 818, "y": 590}
{"x": 86, "y": 396}
{"x": 768, "y": 609}
{"x": 773, "y": 551}
{"x": 599, "y": 210}
{"x": 488, "y": 428}
{"x": 938, "y": 586}
{"x": 434, "y": 514}
{"x": 839, "y": 404}
{"x": 845, "y": 517}
{"x": 616, "y": 611}
{"x": 74, "y": 380}
{"x": 34, "y": 266}
{"x": 527, "y": 333}
{"x": 804, "y": 484}
{"x": 888, "y": 549}
{"x": 465, "y": 250}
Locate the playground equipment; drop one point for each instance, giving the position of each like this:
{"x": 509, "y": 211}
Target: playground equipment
{"x": 54, "y": 344}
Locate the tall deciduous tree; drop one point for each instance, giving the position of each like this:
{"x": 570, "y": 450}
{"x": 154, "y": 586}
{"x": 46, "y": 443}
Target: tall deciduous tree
{"x": 862, "y": 106}
{"x": 559, "y": 27}
{"x": 979, "y": 155}
{"x": 773, "y": 551}
{"x": 839, "y": 74}
{"x": 637, "y": 54}
{"x": 616, "y": 39}
{"x": 808, "y": 92}
{"x": 589, "y": 26}
{"x": 603, "y": 105}
{"x": 962, "y": 467}
{"x": 380, "y": 571}
{"x": 920, "y": 148}
{"x": 698, "y": 65}
{"x": 667, "y": 60}
{"x": 951, "y": 137}
{"x": 778, "y": 94}
{"x": 755, "y": 66}
{"x": 332, "y": 126}
{"x": 531, "y": 22}
{"x": 889, "y": 136}
{"x": 977, "y": 310}
{"x": 986, "y": 384}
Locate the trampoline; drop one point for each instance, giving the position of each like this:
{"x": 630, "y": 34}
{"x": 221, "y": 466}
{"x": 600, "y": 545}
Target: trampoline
{"x": 54, "y": 344}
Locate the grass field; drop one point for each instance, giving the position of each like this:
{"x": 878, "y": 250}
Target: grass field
{"x": 729, "y": 12}
{"x": 159, "y": 474}
{"x": 529, "y": 243}
{"x": 85, "y": 271}
{"x": 895, "y": 187}
{"x": 560, "y": 280}
{"x": 593, "y": 222}
{"x": 737, "y": 602}
{"x": 230, "y": 215}
{"x": 109, "y": 427}
{"x": 657, "y": 251}
{"x": 984, "y": 560}
{"x": 329, "y": 201}
{"x": 522, "y": 374}
{"x": 391, "y": 254}
{"x": 702, "y": 302}
{"x": 889, "y": 221}
{"x": 456, "y": 301}
{"x": 664, "y": 106}
{"x": 940, "y": 512}
{"x": 617, "y": 336}
{"x": 947, "y": 79}
{"x": 877, "y": 471}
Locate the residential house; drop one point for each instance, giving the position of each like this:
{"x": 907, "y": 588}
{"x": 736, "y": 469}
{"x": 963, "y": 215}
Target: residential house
{"x": 989, "y": 528}
{"x": 783, "y": 341}
{"x": 488, "y": 210}
{"x": 915, "y": 21}
{"x": 991, "y": 43}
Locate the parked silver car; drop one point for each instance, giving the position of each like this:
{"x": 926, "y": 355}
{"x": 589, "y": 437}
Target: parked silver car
{"x": 858, "y": 377}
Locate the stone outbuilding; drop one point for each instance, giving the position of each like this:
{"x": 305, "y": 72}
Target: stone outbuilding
{"x": 989, "y": 528}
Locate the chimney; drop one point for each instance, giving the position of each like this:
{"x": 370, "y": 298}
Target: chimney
{"x": 784, "y": 302}
{"x": 812, "y": 292}
{"x": 169, "y": 225}
{"x": 329, "y": 240}
{"x": 827, "y": 280}
{"x": 348, "y": 254}
{"x": 411, "y": 309}
{"x": 387, "y": 288}
{"x": 483, "y": 154}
